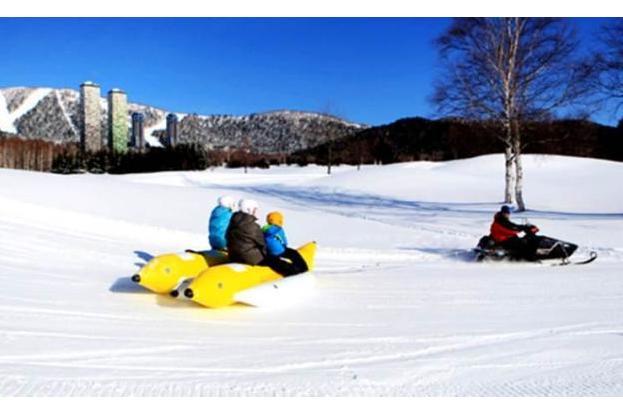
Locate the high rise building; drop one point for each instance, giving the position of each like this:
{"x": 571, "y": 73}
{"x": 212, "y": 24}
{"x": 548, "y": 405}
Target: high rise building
{"x": 117, "y": 120}
{"x": 138, "y": 131}
{"x": 90, "y": 117}
{"x": 172, "y": 129}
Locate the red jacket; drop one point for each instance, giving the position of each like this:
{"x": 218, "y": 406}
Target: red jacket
{"x": 502, "y": 228}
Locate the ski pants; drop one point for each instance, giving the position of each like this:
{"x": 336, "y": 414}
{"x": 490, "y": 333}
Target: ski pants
{"x": 281, "y": 265}
{"x": 524, "y": 248}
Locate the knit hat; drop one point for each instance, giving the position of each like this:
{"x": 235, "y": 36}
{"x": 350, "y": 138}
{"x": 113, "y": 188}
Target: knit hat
{"x": 505, "y": 209}
{"x": 227, "y": 201}
{"x": 275, "y": 218}
{"x": 249, "y": 206}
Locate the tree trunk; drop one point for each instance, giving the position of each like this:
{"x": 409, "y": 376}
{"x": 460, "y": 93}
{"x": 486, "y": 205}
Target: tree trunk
{"x": 521, "y": 206}
{"x": 509, "y": 177}
{"x": 359, "y": 154}
{"x": 330, "y": 155}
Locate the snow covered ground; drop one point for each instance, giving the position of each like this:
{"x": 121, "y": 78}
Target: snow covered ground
{"x": 399, "y": 309}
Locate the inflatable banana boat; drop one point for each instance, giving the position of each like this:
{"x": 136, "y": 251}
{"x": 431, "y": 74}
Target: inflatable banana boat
{"x": 218, "y": 285}
{"x": 165, "y": 273}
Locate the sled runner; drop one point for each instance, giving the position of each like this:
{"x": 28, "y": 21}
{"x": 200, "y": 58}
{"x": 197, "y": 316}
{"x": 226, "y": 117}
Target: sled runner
{"x": 278, "y": 292}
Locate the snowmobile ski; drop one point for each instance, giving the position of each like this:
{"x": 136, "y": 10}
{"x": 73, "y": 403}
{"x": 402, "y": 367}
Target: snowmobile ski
{"x": 591, "y": 258}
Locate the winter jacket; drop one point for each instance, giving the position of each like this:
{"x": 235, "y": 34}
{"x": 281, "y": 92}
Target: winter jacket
{"x": 502, "y": 228}
{"x": 219, "y": 221}
{"x": 276, "y": 241}
{"x": 245, "y": 240}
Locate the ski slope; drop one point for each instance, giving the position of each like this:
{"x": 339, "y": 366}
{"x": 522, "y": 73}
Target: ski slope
{"x": 6, "y": 122}
{"x": 398, "y": 308}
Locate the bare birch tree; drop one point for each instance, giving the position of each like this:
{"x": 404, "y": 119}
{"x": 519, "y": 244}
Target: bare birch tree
{"x": 610, "y": 64}
{"x": 506, "y": 71}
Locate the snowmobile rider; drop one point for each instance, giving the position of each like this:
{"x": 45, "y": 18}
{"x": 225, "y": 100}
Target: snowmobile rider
{"x": 506, "y": 233}
{"x": 277, "y": 246}
{"x": 219, "y": 221}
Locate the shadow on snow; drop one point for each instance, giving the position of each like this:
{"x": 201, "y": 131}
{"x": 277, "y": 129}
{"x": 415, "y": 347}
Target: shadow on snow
{"x": 324, "y": 199}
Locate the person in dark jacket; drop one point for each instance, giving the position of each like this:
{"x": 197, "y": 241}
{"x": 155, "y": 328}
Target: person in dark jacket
{"x": 245, "y": 240}
{"x": 246, "y": 244}
{"x": 506, "y": 234}
{"x": 277, "y": 246}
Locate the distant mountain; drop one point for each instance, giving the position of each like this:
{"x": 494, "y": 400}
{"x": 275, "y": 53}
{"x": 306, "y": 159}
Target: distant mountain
{"x": 53, "y": 114}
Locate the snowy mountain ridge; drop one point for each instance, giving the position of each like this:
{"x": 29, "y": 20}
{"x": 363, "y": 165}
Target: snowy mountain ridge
{"x": 53, "y": 114}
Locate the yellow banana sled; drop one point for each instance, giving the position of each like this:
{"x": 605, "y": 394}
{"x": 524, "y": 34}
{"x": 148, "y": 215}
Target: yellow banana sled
{"x": 165, "y": 273}
{"x": 218, "y": 285}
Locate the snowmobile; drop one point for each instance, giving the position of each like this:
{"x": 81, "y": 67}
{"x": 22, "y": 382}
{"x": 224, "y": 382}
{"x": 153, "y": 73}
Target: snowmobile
{"x": 531, "y": 248}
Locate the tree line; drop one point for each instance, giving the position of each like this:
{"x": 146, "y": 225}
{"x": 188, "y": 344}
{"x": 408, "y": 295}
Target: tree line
{"x": 69, "y": 158}
{"x": 36, "y": 154}
{"x": 415, "y": 139}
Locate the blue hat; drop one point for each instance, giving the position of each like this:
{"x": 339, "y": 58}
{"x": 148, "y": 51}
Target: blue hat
{"x": 505, "y": 209}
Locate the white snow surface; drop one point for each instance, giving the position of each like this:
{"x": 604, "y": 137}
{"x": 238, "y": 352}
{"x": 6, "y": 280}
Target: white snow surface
{"x": 150, "y": 138}
{"x": 65, "y": 113}
{"x": 399, "y": 307}
{"x": 6, "y": 122}
{"x": 29, "y": 103}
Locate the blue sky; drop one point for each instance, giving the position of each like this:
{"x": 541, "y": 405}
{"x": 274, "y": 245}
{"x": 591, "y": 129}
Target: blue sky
{"x": 366, "y": 70}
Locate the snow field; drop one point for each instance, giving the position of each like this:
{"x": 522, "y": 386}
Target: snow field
{"x": 398, "y": 309}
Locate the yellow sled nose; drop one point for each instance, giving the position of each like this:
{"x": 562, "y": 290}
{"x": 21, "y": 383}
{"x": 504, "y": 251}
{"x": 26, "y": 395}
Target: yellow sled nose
{"x": 164, "y": 273}
{"x": 217, "y": 286}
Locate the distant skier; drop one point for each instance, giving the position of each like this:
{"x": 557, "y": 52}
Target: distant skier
{"x": 219, "y": 221}
{"x": 506, "y": 234}
{"x": 277, "y": 246}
